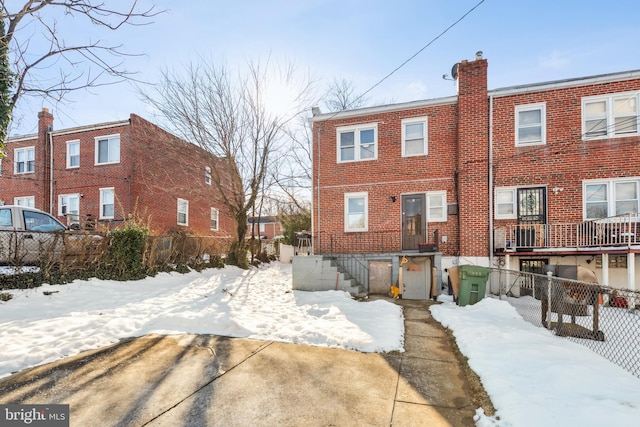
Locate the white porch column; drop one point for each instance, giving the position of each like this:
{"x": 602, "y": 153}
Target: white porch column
{"x": 631, "y": 271}
{"x": 605, "y": 269}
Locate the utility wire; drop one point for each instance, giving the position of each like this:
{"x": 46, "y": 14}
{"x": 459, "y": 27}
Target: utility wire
{"x": 422, "y": 49}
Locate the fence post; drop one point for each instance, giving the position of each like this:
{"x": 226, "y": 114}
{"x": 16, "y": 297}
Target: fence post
{"x": 549, "y": 276}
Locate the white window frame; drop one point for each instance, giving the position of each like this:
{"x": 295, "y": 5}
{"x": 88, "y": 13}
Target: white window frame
{"x": 183, "y": 208}
{"x": 29, "y": 201}
{"x": 425, "y": 139}
{"x": 109, "y": 138}
{"x": 609, "y": 116}
{"x": 215, "y": 219}
{"x": 357, "y": 147}
{"x": 207, "y": 175}
{"x": 442, "y": 196}
{"x": 347, "y": 197}
{"x": 64, "y": 200}
{"x": 611, "y": 194}
{"x": 103, "y": 202}
{"x": 29, "y": 160}
{"x": 542, "y": 107}
{"x": 70, "y": 144}
{"x": 496, "y": 203}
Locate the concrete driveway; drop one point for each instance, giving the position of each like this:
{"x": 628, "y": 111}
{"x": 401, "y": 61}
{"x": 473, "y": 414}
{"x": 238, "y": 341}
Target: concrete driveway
{"x": 196, "y": 380}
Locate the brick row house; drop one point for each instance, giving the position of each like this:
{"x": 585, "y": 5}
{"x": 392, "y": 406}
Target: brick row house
{"x": 519, "y": 177}
{"x": 99, "y": 175}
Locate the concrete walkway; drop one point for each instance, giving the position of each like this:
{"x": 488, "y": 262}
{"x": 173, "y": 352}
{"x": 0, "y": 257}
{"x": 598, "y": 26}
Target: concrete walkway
{"x": 191, "y": 380}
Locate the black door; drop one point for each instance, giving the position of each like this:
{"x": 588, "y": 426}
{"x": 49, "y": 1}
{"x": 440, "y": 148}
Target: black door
{"x": 532, "y": 212}
{"x": 414, "y": 228}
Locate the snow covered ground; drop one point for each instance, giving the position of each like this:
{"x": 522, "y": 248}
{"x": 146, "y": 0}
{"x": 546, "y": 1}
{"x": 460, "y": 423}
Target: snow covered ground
{"x": 533, "y": 377}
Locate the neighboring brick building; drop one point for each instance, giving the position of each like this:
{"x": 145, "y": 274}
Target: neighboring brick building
{"x": 100, "y": 174}
{"x": 267, "y": 227}
{"x": 520, "y": 176}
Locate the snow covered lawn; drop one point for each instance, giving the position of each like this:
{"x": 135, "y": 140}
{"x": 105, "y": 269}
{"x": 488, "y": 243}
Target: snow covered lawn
{"x": 533, "y": 378}
{"x": 36, "y": 328}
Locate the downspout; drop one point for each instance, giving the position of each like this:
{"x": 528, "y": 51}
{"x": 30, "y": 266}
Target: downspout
{"x": 491, "y": 243}
{"x": 313, "y": 232}
{"x": 50, "y": 132}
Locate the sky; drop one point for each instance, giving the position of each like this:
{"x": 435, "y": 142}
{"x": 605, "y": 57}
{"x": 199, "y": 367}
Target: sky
{"x": 532, "y": 377}
{"x": 361, "y": 41}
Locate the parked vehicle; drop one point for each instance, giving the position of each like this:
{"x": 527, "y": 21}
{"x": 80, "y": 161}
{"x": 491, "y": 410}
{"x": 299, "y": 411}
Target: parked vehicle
{"x": 29, "y": 235}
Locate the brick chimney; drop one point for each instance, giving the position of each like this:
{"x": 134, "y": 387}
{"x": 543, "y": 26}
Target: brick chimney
{"x": 43, "y": 156}
{"x": 473, "y": 157}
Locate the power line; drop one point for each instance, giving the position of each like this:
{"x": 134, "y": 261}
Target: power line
{"x": 422, "y": 49}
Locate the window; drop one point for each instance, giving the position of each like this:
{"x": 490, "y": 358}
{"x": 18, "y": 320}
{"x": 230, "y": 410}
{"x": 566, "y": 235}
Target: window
{"x": 530, "y": 124}
{"x": 505, "y": 203}
{"x": 24, "y": 160}
{"x": 437, "y": 206}
{"x": 610, "y": 116}
{"x": 69, "y": 206}
{"x": 28, "y": 201}
{"x": 356, "y": 143}
{"x": 108, "y": 149}
{"x": 5, "y": 218}
{"x": 356, "y": 211}
{"x": 214, "y": 219}
{"x": 414, "y": 137}
{"x": 183, "y": 212}
{"x": 611, "y": 197}
{"x": 73, "y": 154}
{"x": 107, "y": 198}
{"x": 207, "y": 175}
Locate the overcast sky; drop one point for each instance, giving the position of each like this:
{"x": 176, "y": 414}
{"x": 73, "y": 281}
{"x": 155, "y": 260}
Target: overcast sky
{"x": 362, "y": 41}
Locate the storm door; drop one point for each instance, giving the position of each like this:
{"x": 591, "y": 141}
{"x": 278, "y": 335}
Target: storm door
{"x": 532, "y": 215}
{"x": 414, "y": 226}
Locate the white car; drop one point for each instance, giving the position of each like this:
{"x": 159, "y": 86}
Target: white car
{"x": 28, "y": 234}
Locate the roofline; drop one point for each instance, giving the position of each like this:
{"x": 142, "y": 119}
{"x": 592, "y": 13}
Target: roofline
{"x": 566, "y": 83}
{"x": 77, "y": 129}
{"x": 506, "y": 91}
{"x": 384, "y": 109}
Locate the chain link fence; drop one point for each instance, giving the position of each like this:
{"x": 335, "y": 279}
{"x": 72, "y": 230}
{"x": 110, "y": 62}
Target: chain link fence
{"x": 604, "y": 319}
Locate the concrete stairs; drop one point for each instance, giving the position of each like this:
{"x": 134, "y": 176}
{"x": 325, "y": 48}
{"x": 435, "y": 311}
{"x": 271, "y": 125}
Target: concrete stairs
{"x": 321, "y": 273}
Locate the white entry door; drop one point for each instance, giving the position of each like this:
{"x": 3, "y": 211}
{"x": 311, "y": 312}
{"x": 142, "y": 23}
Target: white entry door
{"x": 416, "y": 278}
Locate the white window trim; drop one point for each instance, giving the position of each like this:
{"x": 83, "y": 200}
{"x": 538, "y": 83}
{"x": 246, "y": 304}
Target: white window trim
{"x": 15, "y": 160}
{"x": 513, "y": 198}
{"x": 107, "y": 137}
{"x": 610, "y": 114}
{"x": 31, "y": 201}
{"x": 102, "y": 190}
{"x": 543, "y": 123}
{"x": 356, "y": 130}
{"x": 75, "y": 141}
{"x": 611, "y": 201}
{"x": 68, "y": 196}
{"x": 443, "y": 196}
{"x": 217, "y": 214}
{"x": 348, "y": 196}
{"x": 186, "y": 213}
{"x": 414, "y": 120}
{"x": 207, "y": 175}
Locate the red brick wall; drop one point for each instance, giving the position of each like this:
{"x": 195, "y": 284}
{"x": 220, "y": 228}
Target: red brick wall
{"x": 389, "y": 175}
{"x": 155, "y": 169}
{"x": 565, "y": 160}
{"x": 473, "y": 146}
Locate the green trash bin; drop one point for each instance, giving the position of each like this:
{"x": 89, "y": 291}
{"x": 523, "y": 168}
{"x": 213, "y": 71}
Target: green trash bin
{"x": 473, "y": 284}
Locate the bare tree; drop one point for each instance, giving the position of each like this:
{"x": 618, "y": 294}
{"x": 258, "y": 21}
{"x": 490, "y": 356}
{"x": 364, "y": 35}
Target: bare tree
{"x": 39, "y": 48}
{"x": 294, "y": 178}
{"x": 341, "y": 95}
{"x": 226, "y": 115}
